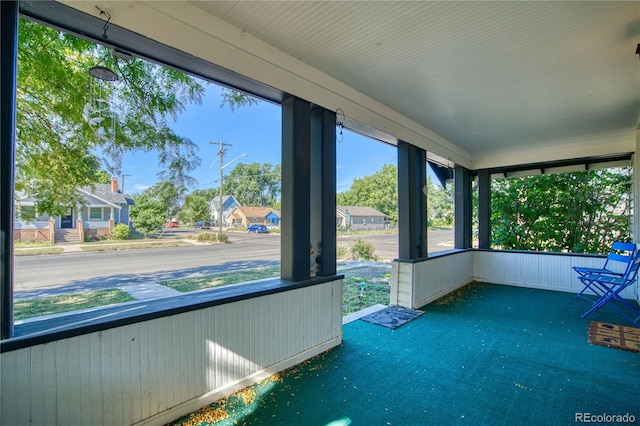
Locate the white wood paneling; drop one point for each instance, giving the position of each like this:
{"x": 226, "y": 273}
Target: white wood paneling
{"x": 423, "y": 282}
{"x": 439, "y": 276}
{"x": 401, "y": 284}
{"x": 534, "y": 270}
{"x": 155, "y": 371}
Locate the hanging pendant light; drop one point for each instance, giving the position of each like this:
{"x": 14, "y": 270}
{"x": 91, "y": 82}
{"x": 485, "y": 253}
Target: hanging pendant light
{"x": 98, "y": 71}
{"x": 103, "y": 73}
{"x": 101, "y": 112}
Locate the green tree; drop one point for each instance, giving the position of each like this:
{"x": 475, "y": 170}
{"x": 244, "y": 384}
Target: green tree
{"x": 440, "y": 204}
{"x": 65, "y": 116}
{"x": 147, "y": 213}
{"x": 254, "y": 184}
{"x": 379, "y": 191}
{"x": 208, "y": 193}
{"x": 102, "y": 176}
{"x": 196, "y": 208}
{"x": 235, "y": 99}
{"x": 169, "y": 195}
{"x": 583, "y": 212}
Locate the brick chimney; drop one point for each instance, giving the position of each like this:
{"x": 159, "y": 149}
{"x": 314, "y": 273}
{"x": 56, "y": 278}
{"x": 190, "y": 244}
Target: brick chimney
{"x": 114, "y": 185}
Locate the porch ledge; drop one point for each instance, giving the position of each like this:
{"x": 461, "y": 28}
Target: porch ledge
{"x": 433, "y": 256}
{"x": 456, "y": 251}
{"x": 545, "y": 253}
{"x": 59, "y": 327}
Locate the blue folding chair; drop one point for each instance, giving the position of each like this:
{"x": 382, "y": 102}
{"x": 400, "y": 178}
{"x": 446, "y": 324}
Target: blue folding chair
{"x": 617, "y": 263}
{"x": 610, "y": 286}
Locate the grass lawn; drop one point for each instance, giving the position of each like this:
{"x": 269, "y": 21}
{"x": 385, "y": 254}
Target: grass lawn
{"x": 226, "y": 278}
{"x": 363, "y": 232}
{"x": 49, "y": 305}
{"x": 37, "y": 251}
{"x": 363, "y": 287}
{"x": 29, "y": 248}
{"x": 31, "y": 244}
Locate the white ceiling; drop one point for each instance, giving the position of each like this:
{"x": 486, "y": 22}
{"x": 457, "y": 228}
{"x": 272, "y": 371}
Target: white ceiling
{"x": 493, "y": 83}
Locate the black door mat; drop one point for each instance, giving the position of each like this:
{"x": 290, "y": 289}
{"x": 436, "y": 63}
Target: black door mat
{"x": 392, "y": 317}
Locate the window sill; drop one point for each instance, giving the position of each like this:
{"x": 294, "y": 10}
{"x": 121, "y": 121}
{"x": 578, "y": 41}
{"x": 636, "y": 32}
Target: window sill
{"x": 52, "y": 328}
{"x": 456, "y": 251}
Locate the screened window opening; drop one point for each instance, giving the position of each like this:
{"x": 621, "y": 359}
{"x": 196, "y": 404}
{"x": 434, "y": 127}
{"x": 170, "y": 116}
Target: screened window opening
{"x": 578, "y": 212}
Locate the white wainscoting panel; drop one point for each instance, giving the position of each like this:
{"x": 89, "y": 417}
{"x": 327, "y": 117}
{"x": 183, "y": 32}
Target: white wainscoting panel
{"x": 401, "y": 284}
{"x": 534, "y": 270}
{"x": 423, "y": 282}
{"x": 155, "y": 371}
{"x": 439, "y": 276}
{"x": 416, "y": 284}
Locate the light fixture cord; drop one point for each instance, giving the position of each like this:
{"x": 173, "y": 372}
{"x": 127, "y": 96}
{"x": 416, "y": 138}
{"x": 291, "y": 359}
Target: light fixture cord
{"x": 105, "y": 28}
{"x": 340, "y": 123}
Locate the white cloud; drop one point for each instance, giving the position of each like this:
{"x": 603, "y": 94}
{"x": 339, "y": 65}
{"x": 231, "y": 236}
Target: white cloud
{"x": 139, "y": 187}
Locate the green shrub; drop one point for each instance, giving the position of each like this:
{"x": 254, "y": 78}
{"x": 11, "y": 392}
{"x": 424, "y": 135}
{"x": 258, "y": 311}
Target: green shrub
{"x": 211, "y": 236}
{"x": 206, "y": 236}
{"x": 363, "y": 250}
{"x": 342, "y": 250}
{"x": 121, "y": 232}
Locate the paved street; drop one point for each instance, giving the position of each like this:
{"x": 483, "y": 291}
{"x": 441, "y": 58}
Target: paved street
{"x": 37, "y": 275}
{"x": 72, "y": 272}
{"x": 387, "y": 244}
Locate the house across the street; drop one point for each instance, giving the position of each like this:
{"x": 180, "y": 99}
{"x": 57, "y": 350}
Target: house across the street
{"x": 104, "y": 206}
{"x": 229, "y": 202}
{"x": 247, "y": 216}
{"x": 273, "y": 219}
{"x": 360, "y": 218}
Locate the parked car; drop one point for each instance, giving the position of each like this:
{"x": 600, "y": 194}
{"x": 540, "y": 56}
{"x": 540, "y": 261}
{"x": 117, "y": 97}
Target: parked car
{"x": 258, "y": 229}
{"x": 171, "y": 224}
{"x": 202, "y": 225}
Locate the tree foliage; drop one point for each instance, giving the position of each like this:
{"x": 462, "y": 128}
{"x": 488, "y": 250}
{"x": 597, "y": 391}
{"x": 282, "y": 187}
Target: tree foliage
{"x": 440, "y": 204}
{"x": 195, "y": 208}
{"x": 379, "y": 191}
{"x": 169, "y": 195}
{"x": 254, "y": 184}
{"x": 235, "y": 99}
{"x": 207, "y": 193}
{"x": 147, "y": 213}
{"x": 66, "y": 118}
{"x": 582, "y": 212}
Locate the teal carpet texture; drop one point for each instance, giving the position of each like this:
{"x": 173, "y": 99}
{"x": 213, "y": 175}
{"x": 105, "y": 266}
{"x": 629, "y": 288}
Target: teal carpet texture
{"x": 484, "y": 355}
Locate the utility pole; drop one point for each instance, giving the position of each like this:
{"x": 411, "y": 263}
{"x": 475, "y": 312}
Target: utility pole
{"x": 220, "y": 154}
{"x": 123, "y": 176}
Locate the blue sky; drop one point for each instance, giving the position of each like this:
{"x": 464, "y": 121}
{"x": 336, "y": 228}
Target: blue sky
{"x": 256, "y": 131}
